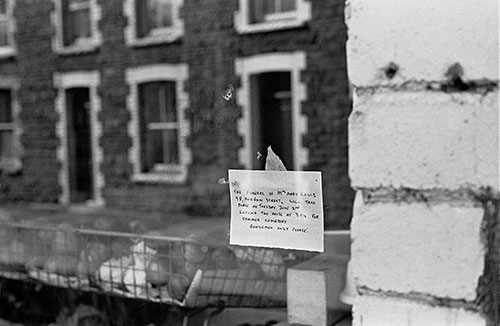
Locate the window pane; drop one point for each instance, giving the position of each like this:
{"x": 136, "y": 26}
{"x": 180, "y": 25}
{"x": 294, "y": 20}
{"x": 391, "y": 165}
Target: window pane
{"x": 4, "y": 33}
{"x": 154, "y": 149}
{"x": 259, "y": 9}
{"x": 5, "y": 106}
{"x": 3, "y": 7}
{"x": 80, "y": 23}
{"x": 162, "y": 148}
{"x": 171, "y": 149}
{"x": 149, "y": 102}
{"x": 6, "y": 144}
{"x": 67, "y": 23}
{"x": 142, "y": 27}
{"x": 168, "y": 110}
{"x": 159, "y": 13}
{"x": 165, "y": 14}
{"x": 287, "y": 5}
{"x": 159, "y": 102}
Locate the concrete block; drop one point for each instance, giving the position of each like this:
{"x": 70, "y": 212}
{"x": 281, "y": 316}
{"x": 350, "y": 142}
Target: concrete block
{"x": 313, "y": 290}
{"x": 424, "y": 140}
{"x": 380, "y": 311}
{"x": 423, "y": 37}
{"x": 435, "y": 250}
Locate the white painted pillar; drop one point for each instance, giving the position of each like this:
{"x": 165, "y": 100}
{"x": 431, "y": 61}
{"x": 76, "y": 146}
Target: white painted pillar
{"x": 424, "y": 157}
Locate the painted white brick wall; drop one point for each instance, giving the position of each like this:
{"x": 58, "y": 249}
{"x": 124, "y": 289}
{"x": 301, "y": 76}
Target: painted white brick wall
{"x": 433, "y": 250}
{"x": 378, "y": 311}
{"x": 404, "y": 134}
{"x": 423, "y": 37}
{"x": 424, "y": 140}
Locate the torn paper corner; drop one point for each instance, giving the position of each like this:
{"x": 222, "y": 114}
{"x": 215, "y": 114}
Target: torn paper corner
{"x": 273, "y": 162}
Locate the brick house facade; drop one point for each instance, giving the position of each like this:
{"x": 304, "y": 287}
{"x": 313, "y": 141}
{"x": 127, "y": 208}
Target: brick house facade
{"x": 112, "y": 67}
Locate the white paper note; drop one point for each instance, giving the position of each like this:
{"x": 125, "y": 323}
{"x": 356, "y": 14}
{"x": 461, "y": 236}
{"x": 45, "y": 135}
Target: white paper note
{"x": 277, "y": 209}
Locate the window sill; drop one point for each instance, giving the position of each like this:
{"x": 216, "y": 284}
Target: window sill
{"x": 11, "y": 166}
{"x": 172, "y": 177}
{"x": 281, "y": 16}
{"x": 79, "y": 47}
{"x": 7, "y": 52}
{"x": 268, "y": 26}
{"x": 165, "y": 36}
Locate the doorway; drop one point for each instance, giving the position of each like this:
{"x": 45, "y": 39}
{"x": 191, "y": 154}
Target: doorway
{"x": 271, "y": 102}
{"x": 80, "y": 167}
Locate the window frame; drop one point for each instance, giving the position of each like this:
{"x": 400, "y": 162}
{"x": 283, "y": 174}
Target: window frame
{"x": 171, "y": 173}
{"x": 10, "y": 49}
{"x": 12, "y": 84}
{"x": 163, "y": 126}
{"x": 87, "y": 44}
{"x": 245, "y": 67}
{"x": 156, "y": 35}
{"x": 277, "y": 21}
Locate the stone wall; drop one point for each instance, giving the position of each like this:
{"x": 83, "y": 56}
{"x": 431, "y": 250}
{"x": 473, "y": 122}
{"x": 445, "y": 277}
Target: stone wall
{"x": 423, "y": 148}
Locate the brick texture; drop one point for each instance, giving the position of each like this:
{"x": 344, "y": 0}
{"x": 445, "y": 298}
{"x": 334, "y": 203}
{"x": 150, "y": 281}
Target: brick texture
{"x": 209, "y": 47}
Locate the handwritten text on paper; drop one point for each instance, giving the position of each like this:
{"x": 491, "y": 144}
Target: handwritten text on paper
{"x": 282, "y": 209}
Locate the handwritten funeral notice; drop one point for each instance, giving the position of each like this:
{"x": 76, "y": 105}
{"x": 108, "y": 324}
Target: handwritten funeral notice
{"x": 279, "y": 209}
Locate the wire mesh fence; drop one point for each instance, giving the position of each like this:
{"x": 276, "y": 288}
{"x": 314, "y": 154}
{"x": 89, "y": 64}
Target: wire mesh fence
{"x": 170, "y": 270}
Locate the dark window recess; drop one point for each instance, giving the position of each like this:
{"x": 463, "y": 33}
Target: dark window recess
{"x": 4, "y": 33}
{"x": 158, "y": 126}
{"x": 79, "y": 144}
{"x": 259, "y": 10}
{"x": 271, "y": 104}
{"x": 5, "y": 106}
{"x": 3, "y": 7}
{"x": 76, "y": 21}
{"x": 6, "y": 126}
{"x": 4, "y": 24}
{"x": 152, "y": 15}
